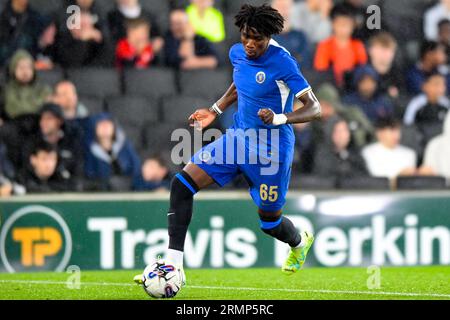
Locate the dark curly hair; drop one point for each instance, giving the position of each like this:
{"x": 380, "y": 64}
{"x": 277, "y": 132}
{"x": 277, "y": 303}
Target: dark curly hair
{"x": 263, "y": 19}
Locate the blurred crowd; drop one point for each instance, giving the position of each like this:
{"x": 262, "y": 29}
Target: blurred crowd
{"x": 383, "y": 90}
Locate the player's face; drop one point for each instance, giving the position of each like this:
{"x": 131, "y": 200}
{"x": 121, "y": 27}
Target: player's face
{"x": 255, "y": 44}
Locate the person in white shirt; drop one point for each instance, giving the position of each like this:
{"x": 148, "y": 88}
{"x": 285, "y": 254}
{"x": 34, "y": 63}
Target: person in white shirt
{"x": 432, "y": 17}
{"x": 437, "y": 153}
{"x": 313, "y": 18}
{"x": 386, "y": 157}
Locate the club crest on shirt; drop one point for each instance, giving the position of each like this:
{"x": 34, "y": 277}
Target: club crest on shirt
{"x": 260, "y": 77}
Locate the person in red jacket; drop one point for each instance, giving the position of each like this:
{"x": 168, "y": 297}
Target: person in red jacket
{"x": 136, "y": 50}
{"x": 341, "y": 53}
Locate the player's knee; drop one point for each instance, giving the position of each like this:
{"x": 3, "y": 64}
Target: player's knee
{"x": 269, "y": 221}
{"x": 182, "y": 187}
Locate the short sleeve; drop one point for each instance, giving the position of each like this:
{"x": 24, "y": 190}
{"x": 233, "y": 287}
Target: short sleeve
{"x": 232, "y": 54}
{"x": 293, "y": 77}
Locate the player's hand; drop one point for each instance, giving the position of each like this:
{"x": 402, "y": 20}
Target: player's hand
{"x": 202, "y": 118}
{"x": 266, "y": 115}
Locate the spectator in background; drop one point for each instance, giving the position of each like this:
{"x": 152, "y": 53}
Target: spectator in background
{"x": 433, "y": 58}
{"x": 65, "y": 138}
{"x": 206, "y": 20}
{"x": 444, "y": 36}
{"x": 20, "y": 28}
{"x": 185, "y": 50}
{"x": 340, "y": 53}
{"x": 154, "y": 176}
{"x": 382, "y": 49}
{"x": 432, "y": 17}
{"x": 366, "y": 97}
{"x": 310, "y": 136}
{"x": 136, "y": 50}
{"x": 386, "y": 157}
{"x": 359, "y": 11}
{"x": 294, "y": 41}
{"x": 42, "y": 173}
{"x": 437, "y": 153}
{"x": 337, "y": 157}
{"x": 428, "y": 110}
{"x": 360, "y": 126}
{"x": 77, "y": 47}
{"x": 8, "y": 186}
{"x": 67, "y": 98}
{"x": 111, "y": 161}
{"x": 23, "y": 94}
{"x": 313, "y": 18}
{"x": 126, "y": 10}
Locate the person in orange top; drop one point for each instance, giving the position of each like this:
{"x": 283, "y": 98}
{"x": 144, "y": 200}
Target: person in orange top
{"x": 136, "y": 50}
{"x": 340, "y": 52}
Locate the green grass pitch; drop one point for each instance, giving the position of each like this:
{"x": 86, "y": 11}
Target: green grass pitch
{"x": 310, "y": 283}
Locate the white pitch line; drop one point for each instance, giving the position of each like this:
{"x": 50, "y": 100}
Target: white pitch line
{"x": 112, "y": 284}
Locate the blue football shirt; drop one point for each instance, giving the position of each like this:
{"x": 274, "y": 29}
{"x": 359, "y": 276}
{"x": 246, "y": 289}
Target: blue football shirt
{"x": 271, "y": 81}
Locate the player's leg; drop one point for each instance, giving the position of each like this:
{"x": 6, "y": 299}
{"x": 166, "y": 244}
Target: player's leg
{"x": 183, "y": 188}
{"x": 281, "y": 228}
{"x": 269, "y": 194}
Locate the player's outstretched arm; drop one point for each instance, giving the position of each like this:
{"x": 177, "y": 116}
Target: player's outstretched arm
{"x": 206, "y": 116}
{"x": 310, "y": 111}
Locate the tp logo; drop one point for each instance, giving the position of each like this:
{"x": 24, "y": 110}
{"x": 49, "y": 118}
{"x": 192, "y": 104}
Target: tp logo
{"x": 35, "y": 238}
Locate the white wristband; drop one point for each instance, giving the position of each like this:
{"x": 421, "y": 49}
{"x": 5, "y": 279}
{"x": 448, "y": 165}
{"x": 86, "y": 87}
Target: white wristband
{"x": 279, "y": 119}
{"x": 216, "y": 109}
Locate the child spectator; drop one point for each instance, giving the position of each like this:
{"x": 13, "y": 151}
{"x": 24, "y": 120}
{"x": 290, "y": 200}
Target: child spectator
{"x": 337, "y": 157}
{"x": 126, "y": 10}
{"x": 340, "y": 53}
{"x": 428, "y": 110}
{"x": 185, "y": 50}
{"x": 433, "y": 58}
{"x": 432, "y": 17}
{"x": 154, "y": 176}
{"x": 67, "y": 98}
{"x": 437, "y": 153}
{"x": 294, "y": 41}
{"x": 366, "y": 97}
{"x": 313, "y": 18}
{"x": 382, "y": 50}
{"x": 65, "y": 138}
{"x": 111, "y": 161}
{"x": 444, "y": 36}
{"x": 42, "y": 173}
{"x": 23, "y": 94}
{"x": 386, "y": 157}
{"x": 206, "y": 20}
{"x": 136, "y": 50}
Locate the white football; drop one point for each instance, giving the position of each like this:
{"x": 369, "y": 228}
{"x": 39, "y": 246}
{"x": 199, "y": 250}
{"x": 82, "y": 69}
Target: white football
{"x": 161, "y": 280}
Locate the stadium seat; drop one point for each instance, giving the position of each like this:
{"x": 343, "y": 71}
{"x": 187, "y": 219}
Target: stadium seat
{"x": 310, "y": 182}
{"x": 154, "y": 82}
{"x": 93, "y": 104}
{"x": 157, "y": 137}
{"x": 233, "y": 7}
{"x": 210, "y": 84}
{"x": 421, "y": 183}
{"x": 46, "y": 7}
{"x": 98, "y": 82}
{"x": 411, "y": 137}
{"x": 363, "y": 183}
{"x": 50, "y": 77}
{"x": 2, "y": 77}
{"x": 232, "y": 32}
{"x": 177, "y": 109}
{"x": 160, "y": 9}
{"x": 133, "y": 110}
{"x": 134, "y": 134}
{"x": 105, "y": 6}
